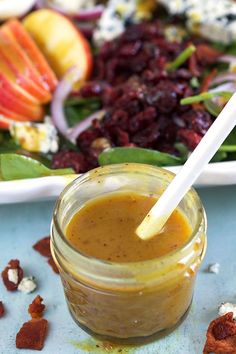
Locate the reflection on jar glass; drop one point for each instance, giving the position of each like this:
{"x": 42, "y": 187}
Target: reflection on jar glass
{"x": 135, "y": 300}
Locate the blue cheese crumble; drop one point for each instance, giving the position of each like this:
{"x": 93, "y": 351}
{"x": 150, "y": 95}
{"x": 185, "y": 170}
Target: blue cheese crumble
{"x": 216, "y": 22}
{"x": 36, "y": 137}
{"x": 117, "y": 14}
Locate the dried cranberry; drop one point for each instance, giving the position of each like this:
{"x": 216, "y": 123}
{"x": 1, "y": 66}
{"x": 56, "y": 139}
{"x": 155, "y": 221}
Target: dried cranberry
{"x": 11, "y": 282}
{"x": 142, "y": 119}
{"x": 118, "y": 119}
{"x": 130, "y": 49}
{"x": 73, "y": 159}
{"x": 122, "y": 138}
{"x": 91, "y": 89}
{"x": 163, "y": 97}
{"x": 86, "y": 138}
{"x": 197, "y": 120}
{"x": 147, "y": 137}
{"x": 190, "y": 138}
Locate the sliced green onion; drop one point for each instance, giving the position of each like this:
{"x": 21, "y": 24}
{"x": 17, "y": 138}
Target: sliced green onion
{"x": 206, "y": 96}
{"x": 181, "y": 58}
{"x": 212, "y": 108}
{"x": 194, "y": 82}
{"x": 227, "y": 148}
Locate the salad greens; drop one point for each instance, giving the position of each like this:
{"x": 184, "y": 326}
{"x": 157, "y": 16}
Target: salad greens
{"x": 7, "y": 144}
{"x": 138, "y": 155}
{"x": 77, "y": 108}
{"x": 14, "y": 166}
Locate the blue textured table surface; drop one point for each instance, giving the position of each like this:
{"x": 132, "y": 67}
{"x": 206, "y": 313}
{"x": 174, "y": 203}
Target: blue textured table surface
{"x": 22, "y": 225}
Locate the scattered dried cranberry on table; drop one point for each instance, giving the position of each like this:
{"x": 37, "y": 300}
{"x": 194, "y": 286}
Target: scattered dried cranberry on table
{"x": 33, "y": 333}
{"x": 37, "y": 307}
{"x": 141, "y": 97}
{"x": 43, "y": 247}
{"x": 2, "y": 310}
{"x": 12, "y": 275}
{"x": 221, "y": 335}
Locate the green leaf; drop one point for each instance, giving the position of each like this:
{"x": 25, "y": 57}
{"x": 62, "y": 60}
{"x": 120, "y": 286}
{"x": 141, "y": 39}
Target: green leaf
{"x": 138, "y": 155}
{"x": 212, "y": 108}
{"x": 231, "y": 139}
{"x": 183, "y": 151}
{"x": 194, "y": 82}
{"x": 225, "y": 48}
{"x": 181, "y": 58}
{"x": 77, "y": 109}
{"x": 7, "y": 144}
{"x": 14, "y": 166}
{"x": 219, "y": 156}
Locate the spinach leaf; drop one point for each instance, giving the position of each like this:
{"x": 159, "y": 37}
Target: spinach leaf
{"x": 7, "y": 144}
{"x": 219, "y": 156}
{"x": 77, "y": 108}
{"x": 183, "y": 151}
{"x": 14, "y": 166}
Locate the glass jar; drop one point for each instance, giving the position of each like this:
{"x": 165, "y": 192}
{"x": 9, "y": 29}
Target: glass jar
{"x": 127, "y": 301}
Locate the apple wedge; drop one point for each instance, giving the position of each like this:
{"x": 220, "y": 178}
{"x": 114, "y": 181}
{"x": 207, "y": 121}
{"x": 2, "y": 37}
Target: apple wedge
{"x": 10, "y": 114}
{"x": 61, "y": 42}
{"x": 25, "y": 75}
{"x": 5, "y": 123}
{"x": 18, "y": 109}
{"x": 32, "y": 51}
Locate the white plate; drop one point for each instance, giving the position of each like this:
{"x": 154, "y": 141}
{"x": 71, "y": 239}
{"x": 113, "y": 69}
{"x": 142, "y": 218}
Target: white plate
{"x": 215, "y": 174}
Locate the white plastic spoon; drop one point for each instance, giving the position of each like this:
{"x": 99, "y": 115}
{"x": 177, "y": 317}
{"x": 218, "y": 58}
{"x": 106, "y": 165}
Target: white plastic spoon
{"x": 174, "y": 193}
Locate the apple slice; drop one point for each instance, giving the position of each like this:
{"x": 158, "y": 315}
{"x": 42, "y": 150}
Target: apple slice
{"x": 25, "y": 76}
{"x": 17, "y": 116}
{"x": 61, "y": 42}
{"x": 17, "y": 109}
{"x": 5, "y": 122}
{"x": 7, "y": 36}
{"x": 32, "y": 51}
{"x": 15, "y": 90}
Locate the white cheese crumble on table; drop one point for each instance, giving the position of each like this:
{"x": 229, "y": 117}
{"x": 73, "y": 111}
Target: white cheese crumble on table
{"x": 13, "y": 275}
{"x": 226, "y": 308}
{"x": 214, "y": 268}
{"x": 27, "y": 285}
{"x": 36, "y": 137}
{"x": 215, "y": 20}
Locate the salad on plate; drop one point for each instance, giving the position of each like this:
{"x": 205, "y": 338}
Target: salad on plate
{"x": 86, "y": 83}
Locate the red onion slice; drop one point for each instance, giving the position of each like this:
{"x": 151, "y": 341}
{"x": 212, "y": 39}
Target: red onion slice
{"x": 62, "y": 91}
{"x": 228, "y": 76}
{"x": 227, "y": 58}
{"x": 75, "y": 131}
{"x": 88, "y": 14}
{"x": 82, "y": 14}
{"x": 228, "y": 86}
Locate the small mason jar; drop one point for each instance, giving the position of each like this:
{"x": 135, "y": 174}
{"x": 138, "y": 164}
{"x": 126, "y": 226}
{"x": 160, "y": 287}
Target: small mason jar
{"x": 127, "y": 302}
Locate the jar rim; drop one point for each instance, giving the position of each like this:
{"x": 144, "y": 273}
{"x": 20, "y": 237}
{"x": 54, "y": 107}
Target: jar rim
{"x": 140, "y": 169}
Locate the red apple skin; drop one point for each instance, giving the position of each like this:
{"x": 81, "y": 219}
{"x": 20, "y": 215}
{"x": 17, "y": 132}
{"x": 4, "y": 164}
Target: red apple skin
{"x": 22, "y": 73}
{"x": 7, "y": 37}
{"x": 13, "y": 89}
{"x": 14, "y": 105}
{"x": 33, "y": 52}
{"x": 8, "y": 76}
{"x": 4, "y": 122}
